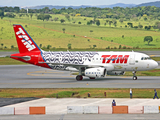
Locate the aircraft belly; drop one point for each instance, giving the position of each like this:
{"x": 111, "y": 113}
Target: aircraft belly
{"x": 121, "y": 67}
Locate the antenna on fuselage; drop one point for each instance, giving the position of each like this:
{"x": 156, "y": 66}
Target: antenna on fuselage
{"x": 132, "y": 51}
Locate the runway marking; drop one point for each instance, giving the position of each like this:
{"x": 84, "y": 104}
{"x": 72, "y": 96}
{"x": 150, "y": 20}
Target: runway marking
{"x": 42, "y": 73}
{"x": 124, "y": 77}
{"x": 67, "y": 76}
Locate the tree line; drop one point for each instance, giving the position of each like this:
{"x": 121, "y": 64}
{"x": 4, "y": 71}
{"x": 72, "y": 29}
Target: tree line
{"x": 148, "y": 12}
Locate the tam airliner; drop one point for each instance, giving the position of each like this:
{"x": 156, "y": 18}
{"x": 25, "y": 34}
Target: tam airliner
{"x": 90, "y": 64}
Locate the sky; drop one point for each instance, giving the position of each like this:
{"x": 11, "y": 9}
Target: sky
{"x": 22, "y": 3}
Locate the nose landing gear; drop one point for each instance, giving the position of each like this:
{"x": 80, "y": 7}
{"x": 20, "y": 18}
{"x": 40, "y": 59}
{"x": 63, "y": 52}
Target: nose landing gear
{"x": 134, "y": 75}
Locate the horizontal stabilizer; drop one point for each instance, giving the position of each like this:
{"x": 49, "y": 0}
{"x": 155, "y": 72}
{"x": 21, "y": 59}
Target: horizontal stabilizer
{"x": 22, "y": 57}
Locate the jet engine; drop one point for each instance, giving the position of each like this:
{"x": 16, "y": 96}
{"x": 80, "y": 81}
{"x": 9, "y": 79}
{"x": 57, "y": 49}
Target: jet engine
{"x": 95, "y": 72}
{"x": 115, "y": 72}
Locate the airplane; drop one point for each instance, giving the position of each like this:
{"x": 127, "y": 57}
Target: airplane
{"x": 90, "y": 64}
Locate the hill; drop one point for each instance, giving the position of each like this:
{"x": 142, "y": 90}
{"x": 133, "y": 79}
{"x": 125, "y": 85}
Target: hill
{"x": 82, "y": 6}
{"x": 157, "y": 4}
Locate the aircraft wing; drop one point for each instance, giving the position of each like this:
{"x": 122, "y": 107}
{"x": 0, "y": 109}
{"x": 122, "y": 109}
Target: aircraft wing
{"x": 73, "y": 65}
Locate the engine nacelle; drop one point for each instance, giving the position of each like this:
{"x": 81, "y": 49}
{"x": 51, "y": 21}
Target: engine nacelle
{"x": 115, "y": 72}
{"x": 95, "y": 72}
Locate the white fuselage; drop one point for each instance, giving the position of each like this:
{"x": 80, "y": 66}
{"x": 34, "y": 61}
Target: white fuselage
{"x": 112, "y": 61}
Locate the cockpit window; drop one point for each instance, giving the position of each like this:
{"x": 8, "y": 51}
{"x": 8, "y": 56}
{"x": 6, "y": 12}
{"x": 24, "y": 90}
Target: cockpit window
{"x": 145, "y": 58}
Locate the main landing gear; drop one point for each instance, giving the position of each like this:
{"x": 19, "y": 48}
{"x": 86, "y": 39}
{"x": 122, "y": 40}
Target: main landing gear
{"x": 134, "y": 75}
{"x": 79, "y": 77}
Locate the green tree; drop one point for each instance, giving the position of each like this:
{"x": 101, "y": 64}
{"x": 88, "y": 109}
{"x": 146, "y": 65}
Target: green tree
{"x": 140, "y": 26}
{"x": 16, "y": 9}
{"x": 121, "y": 20}
{"x": 115, "y": 23}
{"x": 56, "y": 19}
{"x": 97, "y": 22}
{"x": 1, "y": 14}
{"x": 40, "y": 45}
{"x": 27, "y": 15}
{"x": 12, "y": 46}
{"x": 62, "y": 20}
{"x": 31, "y": 14}
{"x": 88, "y": 23}
{"x": 67, "y": 16}
{"x": 63, "y": 30}
{"x": 91, "y": 31}
{"x": 69, "y": 45}
{"x": 2, "y": 45}
{"x": 148, "y": 39}
{"x": 110, "y": 22}
{"x": 94, "y": 46}
{"x": 49, "y": 46}
{"x": 145, "y": 18}
{"x": 47, "y": 17}
{"x": 43, "y": 17}
{"x": 130, "y": 24}
{"x": 107, "y": 21}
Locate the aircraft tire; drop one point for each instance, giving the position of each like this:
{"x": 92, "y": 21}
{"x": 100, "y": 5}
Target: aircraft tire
{"x": 134, "y": 77}
{"x": 79, "y": 77}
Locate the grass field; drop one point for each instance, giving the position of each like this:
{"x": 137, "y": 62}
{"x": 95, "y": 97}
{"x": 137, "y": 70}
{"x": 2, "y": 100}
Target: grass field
{"x": 50, "y": 33}
{"x": 79, "y": 93}
{"x": 10, "y": 61}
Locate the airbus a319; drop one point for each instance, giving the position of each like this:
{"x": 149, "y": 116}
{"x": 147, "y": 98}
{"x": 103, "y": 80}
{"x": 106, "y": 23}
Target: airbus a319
{"x": 90, "y": 64}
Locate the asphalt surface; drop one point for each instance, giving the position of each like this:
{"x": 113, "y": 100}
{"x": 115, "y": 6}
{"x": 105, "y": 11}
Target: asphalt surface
{"x": 10, "y": 101}
{"x": 29, "y": 76}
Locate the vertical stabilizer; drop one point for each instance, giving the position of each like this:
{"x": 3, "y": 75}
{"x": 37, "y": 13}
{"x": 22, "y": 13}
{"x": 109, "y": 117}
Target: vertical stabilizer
{"x": 24, "y": 41}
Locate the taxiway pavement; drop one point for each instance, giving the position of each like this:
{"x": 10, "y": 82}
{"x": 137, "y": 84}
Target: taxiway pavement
{"x": 29, "y": 76}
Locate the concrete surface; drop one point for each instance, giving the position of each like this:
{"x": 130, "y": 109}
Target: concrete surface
{"x": 6, "y": 110}
{"x": 151, "y": 109}
{"x": 59, "y": 106}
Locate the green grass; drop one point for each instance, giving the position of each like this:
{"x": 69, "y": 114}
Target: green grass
{"x": 154, "y": 72}
{"x": 50, "y": 32}
{"x": 10, "y": 61}
{"x": 79, "y": 93}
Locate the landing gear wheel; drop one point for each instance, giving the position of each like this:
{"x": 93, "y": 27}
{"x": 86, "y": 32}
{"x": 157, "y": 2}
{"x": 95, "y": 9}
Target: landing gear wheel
{"x": 92, "y": 77}
{"x": 79, "y": 77}
{"x": 134, "y": 77}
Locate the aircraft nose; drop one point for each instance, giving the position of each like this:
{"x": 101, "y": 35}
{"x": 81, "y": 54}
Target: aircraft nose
{"x": 154, "y": 64}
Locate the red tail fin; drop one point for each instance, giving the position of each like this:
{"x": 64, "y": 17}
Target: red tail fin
{"x": 24, "y": 41}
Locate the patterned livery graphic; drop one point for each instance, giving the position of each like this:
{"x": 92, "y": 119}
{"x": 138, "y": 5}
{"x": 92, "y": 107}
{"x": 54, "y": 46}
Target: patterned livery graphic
{"x": 67, "y": 58}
